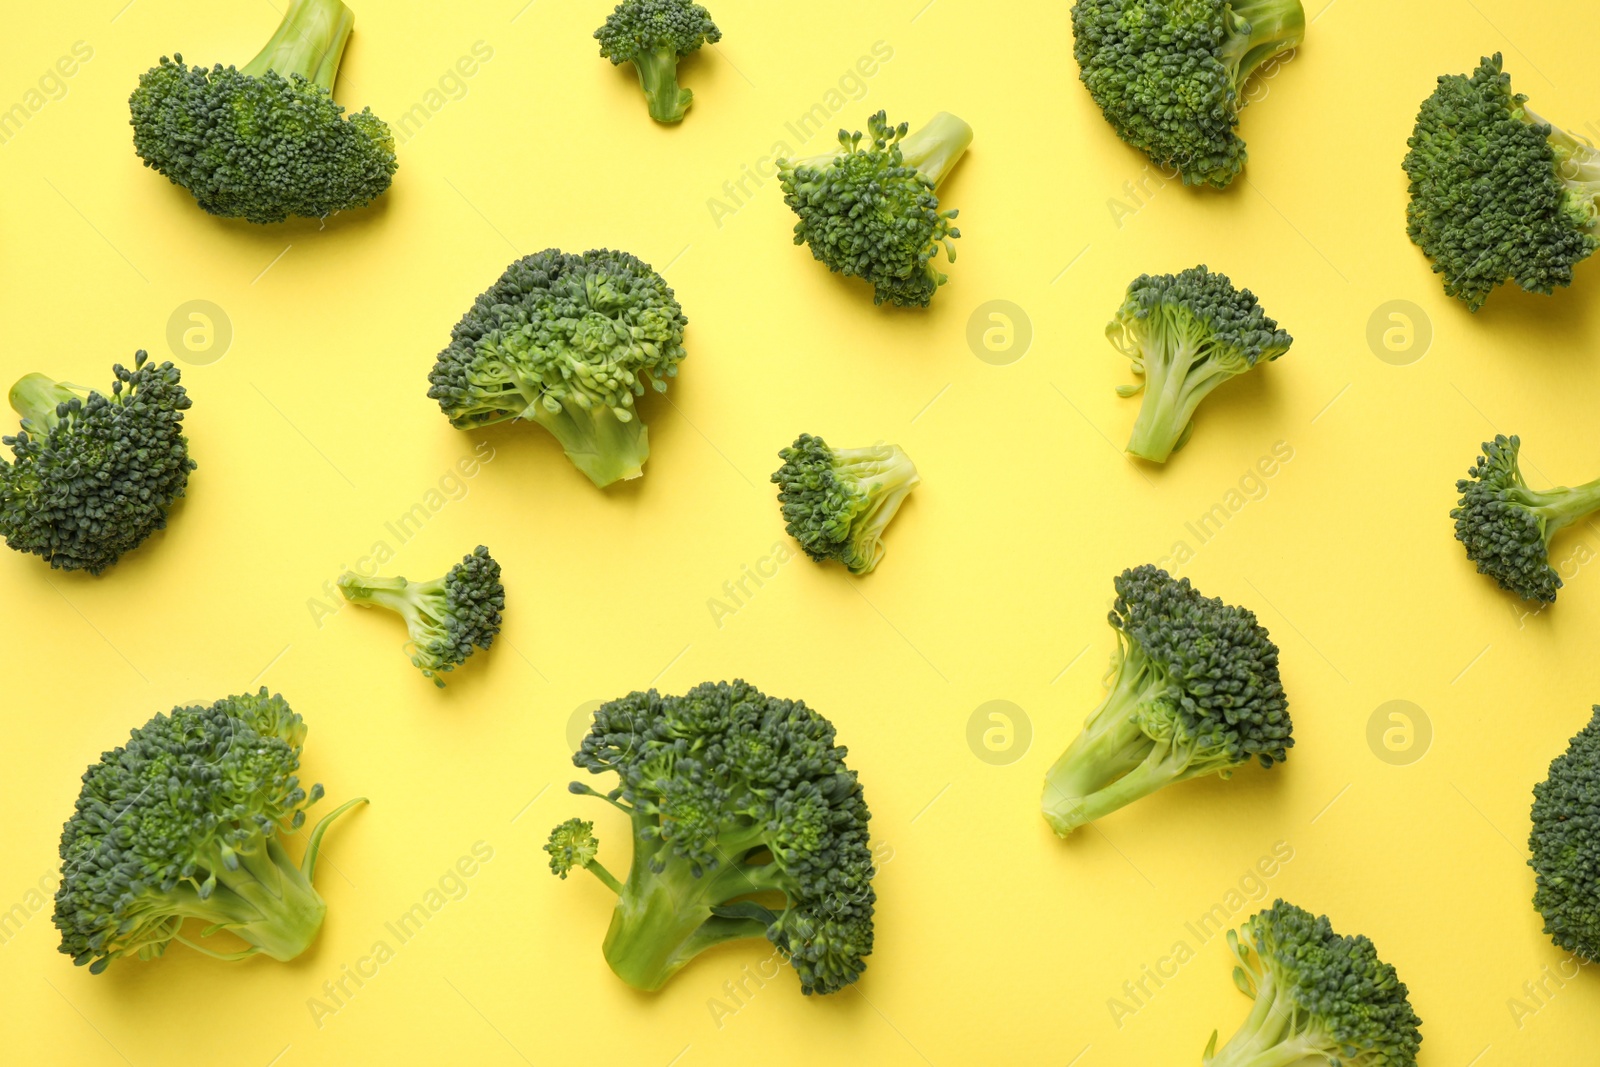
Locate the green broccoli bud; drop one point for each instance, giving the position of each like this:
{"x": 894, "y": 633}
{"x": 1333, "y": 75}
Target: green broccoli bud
{"x": 183, "y": 822}
{"x": 746, "y": 824}
{"x": 654, "y": 35}
{"x": 1186, "y": 334}
{"x": 1319, "y": 998}
{"x": 1566, "y": 852}
{"x": 93, "y": 476}
{"x": 267, "y": 141}
{"x": 1193, "y": 690}
{"x": 1170, "y": 77}
{"x": 446, "y": 618}
{"x": 567, "y": 342}
{"x": 1497, "y": 194}
{"x": 837, "y": 503}
{"x": 873, "y": 212}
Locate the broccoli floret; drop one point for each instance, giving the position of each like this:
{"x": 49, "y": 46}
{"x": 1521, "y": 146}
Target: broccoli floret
{"x": 654, "y": 35}
{"x": 838, "y": 502}
{"x": 1169, "y": 74}
{"x": 1507, "y": 527}
{"x": 446, "y": 618}
{"x": 1319, "y": 997}
{"x": 873, "y": 212}
{"x": 182, "y": 822}
{"x": 746, "y": 824}
{"x": 93, "y": 475}
{"x": 267, "y": 141}
{"x": 567, "y": 341}
{"x": 1186, "y": 334}
{"x": 1497, "y": 194}
{"x": 1193, "y": 690}
{"x": 1566, "y": 851}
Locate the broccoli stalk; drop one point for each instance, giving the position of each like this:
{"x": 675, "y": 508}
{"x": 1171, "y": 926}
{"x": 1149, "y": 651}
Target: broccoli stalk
{"x": 36, "y": 399}
{"x": 310, "y": 43}
{"x": 1257, "y": 30}
{"x": 446, "y": 618}
{"x": 657, "y": 67}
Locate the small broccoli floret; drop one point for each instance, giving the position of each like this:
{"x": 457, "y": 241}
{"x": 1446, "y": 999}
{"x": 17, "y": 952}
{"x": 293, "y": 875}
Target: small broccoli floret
{"x": 1507, "y": 527}
{"x": 654, "y": 35}
{"x": 567, "y": 341}
{"x": 1193, "y": 690}
{"x": 1565, "y": 847}
{"x": 446, "y": 618}
{"x": 1169, "y": 74}
{"x": 873, "y": 212}
{"x": 266, "y": 142}
{"x": 93, "y": 475}
{"x": 746, "y": 824}
{"x": 1186, "y": 334}
{"x": 1320, "y": 998}
{"x": 838, "y": 502}
{"x": 1497, "y": 194}
{"x": 181, "y": 823}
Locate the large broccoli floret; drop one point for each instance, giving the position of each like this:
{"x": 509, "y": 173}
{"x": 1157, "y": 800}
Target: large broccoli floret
{"x": 1193, "y": 690}
{"x": 746, "y": 824}
{"x": 1320, "y": 998}
{"x": 266, "y": 142}
{"x": 873, "y": 212}
{"x": 1497, "y": 194}
{"x": 94, "y": 475}
{"x": 1186, "y": 334}
{"x": 1507, "y": 527}
{"x": 838, "y": 502}
{"x": 1566, "y": 845}
{"x": 1169, "y": 74}
{"x": 181, "y": 823}
{"x": 446, "y": 618}
{"x": 654, "y": 35}
{"x": 567, "y": 341}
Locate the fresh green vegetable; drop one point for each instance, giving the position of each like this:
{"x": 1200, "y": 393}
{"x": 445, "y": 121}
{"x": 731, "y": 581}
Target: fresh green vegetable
{"x": 446, "y": 618}
{"x": 1565, "y": 846}
{"x": 746, "y": 824}
{"x": 838, "y": 502}
{"x": 654, "y": 35}
{"x": 183, "y": 822}
{"x": 1193, "y": 690}
{"x": 267, "y": 141}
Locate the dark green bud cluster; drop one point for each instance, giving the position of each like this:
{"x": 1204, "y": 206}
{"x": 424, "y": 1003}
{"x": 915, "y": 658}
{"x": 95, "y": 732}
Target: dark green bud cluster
{"x": 654, "y": 35}
{"x": 838, "y": 503}
{"x": 1565, "y": 843}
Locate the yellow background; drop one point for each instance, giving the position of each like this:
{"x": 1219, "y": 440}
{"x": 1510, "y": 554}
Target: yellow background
{"x": 997, "y": 943}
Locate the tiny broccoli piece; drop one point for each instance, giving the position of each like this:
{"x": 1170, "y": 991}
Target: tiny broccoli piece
{"x": 1497, "y": 194}
{"x": 838, "y": 502}
{"x": 1169, "y": 75}
{"x": 1566, "y": 850}
{"x": 746, "y": 824}
{"x": 567, "y": 341}
{"x": 1186, "y": 334}
{"x": 1193, "y": 690}
{"x": 873, "y": 212}
{"x": 183, "y": 822}
{"x": 93, "y": 475}
{"x": 1320, "y": 998}
{"x": 446, "y": 618}
{"x": 654, "y": 35}
{"x": 1507, "y": 527}
{"x": 267, "y": 141}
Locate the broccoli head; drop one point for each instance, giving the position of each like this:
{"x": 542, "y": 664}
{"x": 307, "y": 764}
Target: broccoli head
{"x": 746, "y": 824}
{"x": 446, "y": 618}
{"x": 93, "y": 475}
{"x": 654, "y": 35}
{"x": 1186, "y": 334}
{"x": 266, "y": 142}
{"x": 183, "y": 822}
{"x": 1566, "y": 852}
{"x": 1497, "y": 194}
{"x": 838, "y": 502}
{"x": 873, "y": 212}
{"x": 1507, "y": 527}
{"x": 1169, "y": 75}
{"x": 1193, "y": 690}
{"x": 567, "y": 341}
{"x": 1320, "y": 997}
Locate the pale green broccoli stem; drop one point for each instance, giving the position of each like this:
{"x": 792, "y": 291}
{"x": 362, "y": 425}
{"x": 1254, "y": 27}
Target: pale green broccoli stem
{"x": 1259, "y": 30}
{"x": 1560, "y": 507}
{"x": 886, "y": 476}
{"x": 1176, "y": 388}
{"x": 1267, "y": 1038}
{"x": 310, "y": 42}
{"x": 35, "y": 398}
{"x": 606, "y": 444}
{"x": 936, "y": 148}
{"x": 658, "y": 76}
{"x": 1577, "y": 162}
{"x": 407, "y": 599}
